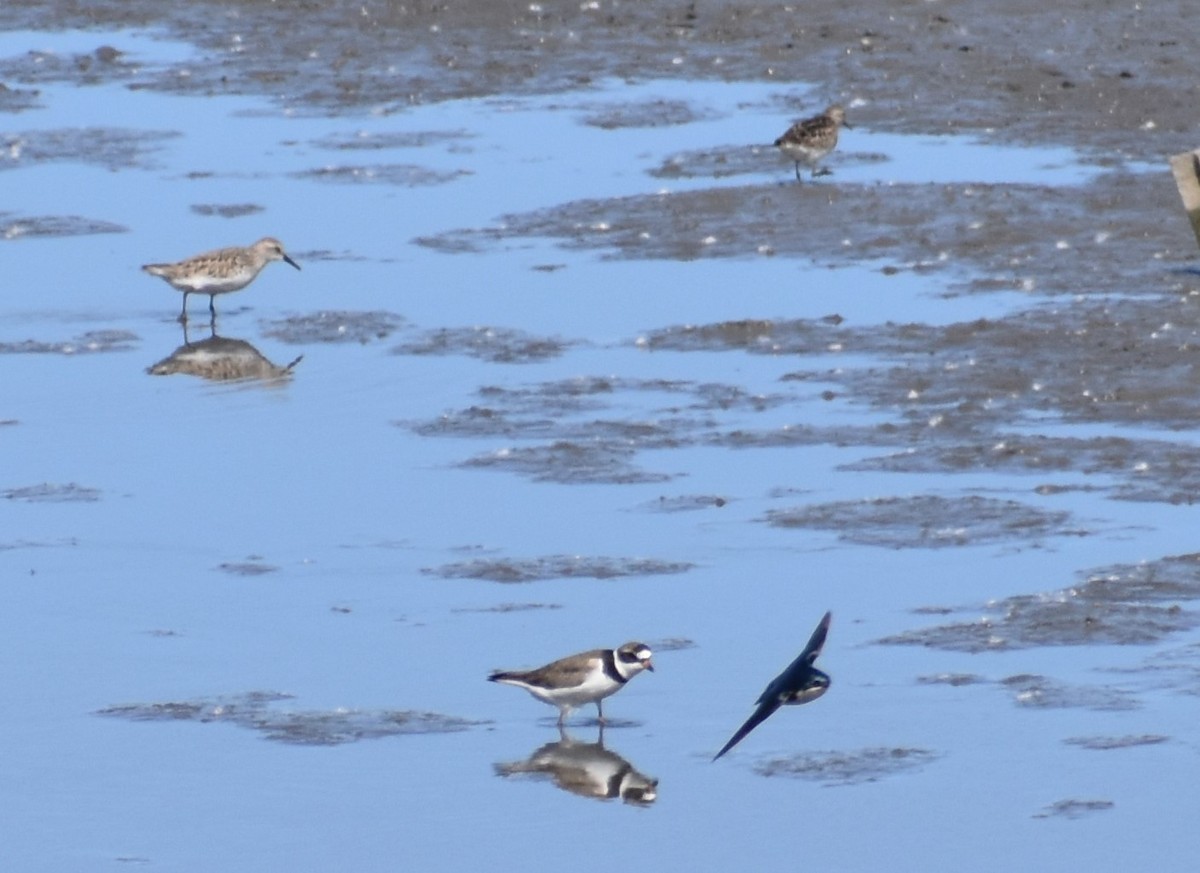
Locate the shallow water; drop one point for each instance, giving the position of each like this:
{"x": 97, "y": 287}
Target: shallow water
{"x": 326, "y": 556}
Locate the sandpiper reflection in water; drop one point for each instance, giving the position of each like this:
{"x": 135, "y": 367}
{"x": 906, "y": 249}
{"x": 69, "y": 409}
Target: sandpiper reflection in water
{"x": 220, "y": 359}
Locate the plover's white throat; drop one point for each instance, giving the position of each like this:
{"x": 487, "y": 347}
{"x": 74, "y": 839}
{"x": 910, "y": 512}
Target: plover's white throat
{"x": 810, "y": 139}
{"x": 222, "y": 271}
{"x": 587, "y": 677}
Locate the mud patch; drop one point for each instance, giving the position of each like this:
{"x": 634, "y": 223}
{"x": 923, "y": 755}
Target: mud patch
{"x": 306, "y": 728}
{"x": 1074, "y": 808}
{"x": 509, "y": 607}
{"x": 719, "y": 162}
{"x": 368, "y": 141}
{"x": 1105, "y": 744}
{"x": 87, "y": 343}
{"x": 227, "y": 210}
{"x": 742, "y": 160}
{"x": 672, "y": 644}
{"x": 848, "y": 768}
{"x": 1039, "y": 692}
{"x": 1038, "y": 237}
{"x": 333, "y": 327}
{"x": 512, "y": 570}
{"x": 1124, "y": 604}
{"x": 926, "y": 521}
{"x": 649, "y": 113}
{"x": 570, "y": 463}
{"x": 35, "y": 544}
{"x": 247, "y": 568}
{"x": 684, "y": 503}
{"x": 406, "y": 175}
{"x": 53, "y": 226}
{"x": 48, "y": 493}
{"x": 954, "y": 680}
{"x": 496, "y": 345}
{"x": 110, "y": 148}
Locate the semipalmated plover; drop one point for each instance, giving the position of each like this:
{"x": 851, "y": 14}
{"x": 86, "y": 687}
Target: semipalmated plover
{"x": 800, "y": 683}
{"x": 810, "y": 139}
{"x": 588, "y": 677}
{"x": 221, "y": 271}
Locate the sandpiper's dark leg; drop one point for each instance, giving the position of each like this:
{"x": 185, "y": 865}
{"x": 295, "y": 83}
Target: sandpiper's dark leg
{"x": 562, "y": 713}
{"x": 183, "y": 312}
{"x": 212, "y": 306}
{"x": 798, "y": 177}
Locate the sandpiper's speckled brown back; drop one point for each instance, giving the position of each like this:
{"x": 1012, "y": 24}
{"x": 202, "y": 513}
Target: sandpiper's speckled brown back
{"x": 223, "y": 270}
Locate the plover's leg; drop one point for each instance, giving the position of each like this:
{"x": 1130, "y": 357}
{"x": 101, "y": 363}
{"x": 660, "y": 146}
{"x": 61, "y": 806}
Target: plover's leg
{"x": 562, "y": 713}
{"x": 600, "y": 710}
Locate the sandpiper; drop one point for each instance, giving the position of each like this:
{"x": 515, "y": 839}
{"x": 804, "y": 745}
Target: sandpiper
{"x": 588, "y": 677}
{"x": 810, "y": 139}
{"x": 221, "y": 271}
{"x": 800, "y": 683}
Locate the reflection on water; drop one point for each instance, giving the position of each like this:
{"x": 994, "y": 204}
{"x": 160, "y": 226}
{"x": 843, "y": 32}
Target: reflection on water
{"x": 220, "y": 359}
{"x": 587, "y": 769}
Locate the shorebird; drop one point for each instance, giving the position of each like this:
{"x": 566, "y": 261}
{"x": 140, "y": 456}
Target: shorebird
{"x": 588, "y": 677}
{"x": 222, "y": 271}
{"x": 810, "y": 139}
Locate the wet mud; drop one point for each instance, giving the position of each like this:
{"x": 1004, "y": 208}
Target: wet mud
{"x": 254, "y": 710}
{"x": 1110, "y": 335}
{"x": 50, "y": 493}
{"x": 492, "y": 344}
{"x": 35, "y": 226}
{"x": 333, "y": 327}
{"x": 853, "y": 767}
{"x": 1130, "y": 604}
{"x": 1074, "y": 808}
{"x": 251, "y": 567}
{"x": 1105, "y": 744}
{"x": 515, "y": 570}
{"x": 926, "y": 521}
{"x": 227, "y": 210}
{"x": 405, "y": 175}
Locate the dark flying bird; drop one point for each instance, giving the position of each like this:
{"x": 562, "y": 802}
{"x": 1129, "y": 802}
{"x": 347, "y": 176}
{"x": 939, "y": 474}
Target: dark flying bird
{"x": 800, "y": 683}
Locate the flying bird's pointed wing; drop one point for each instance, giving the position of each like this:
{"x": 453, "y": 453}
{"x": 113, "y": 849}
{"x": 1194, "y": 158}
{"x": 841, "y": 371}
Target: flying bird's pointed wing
{"x": 760, "y": 715}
